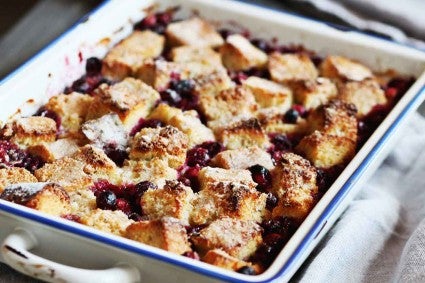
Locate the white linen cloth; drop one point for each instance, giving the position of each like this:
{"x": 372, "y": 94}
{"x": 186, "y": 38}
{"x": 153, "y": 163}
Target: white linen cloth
{"x": 402, "y": 20}
{"x": 381, "y": 236}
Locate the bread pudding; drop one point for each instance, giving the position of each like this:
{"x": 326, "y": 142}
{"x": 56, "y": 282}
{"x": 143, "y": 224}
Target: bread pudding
{"x": 201, "y": 141}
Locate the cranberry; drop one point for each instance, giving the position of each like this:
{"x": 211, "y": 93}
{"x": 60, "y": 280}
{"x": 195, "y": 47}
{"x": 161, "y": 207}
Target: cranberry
{"x": 72, "y": 217}
{"x": 274, "y": 239}
{"x": 317, "y": 60}
{"x": 238, "y": 77}
{"x": 213, "y": 148}
{"x": 142, "y": 123}
{"x": 106, "y": 200}
{"x": 103, "y": 185}
{"x": 248, "y": 270}
{"x": 81, "y": 86}
{"x": 300, "y": 109}
{"x": 164, "y": 18}
{"x": 183, "y": 87}
{"x": 321, "y": 180}
{"x": 391, "y": 92}
{"x": 170, "y": 96}
{"x": 189, "y": 177}
{"x": 281, "y": 142}
{"x": 193, "y": 231}
{"x": 225, "y": 32}
{"x": 118, "y": 155}
{"x": 43, "y": 112}
{"x": 261, "y": 176}
{"x": 271, "y": 201}
{"x": 291, "y": 116}
{"x": 93, "y": 66}
{"x": 123, "y": 205}
{"x": 148, "y": 22}
{"x": 135, "y": 216}
{"x": 193, "y": 255}
{"x": 11, "y": 155}
{"x": 198, "y": 156}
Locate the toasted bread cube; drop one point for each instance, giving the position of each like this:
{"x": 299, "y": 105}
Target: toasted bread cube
{"x": 174, "y": 200}
{"x": 294, "y": 183}
{"x": 78, "y": 170}
{"x": 155, "y": 170}
{"x": 210, "y": 175}
{"x": 159, "y": 73}
{"x": 49, "y": 198}
{"x": 212, "y": 83}
{"x": 54, "y": 150}
{"x": 238, "y": 54}
{"x": 195, "y": 32}
{"x": 243, "y": 158}
{"x": 342, "y": 69}
{"x": 291, "y": 68}
{"x": 166, "y": 233}
{"x": 222, "y": 259}
{"x": 83, "y": 201}
{"x": 187, "y": 122}
{"x": 228, "y": 103}
{"x": 325, "y": 151}
{"x": 203, "y": 55}
{"x": 336, "y": 118}
{"x": 312, "y": 94}
{"x": 71, "y": 108}
{"x": 30, "y": 130}
{"x": 238, "y": 238}
{"x": 114, "y": 222}
{"x": 364, "y": 95}
{"x": 268, "y": 93}
{"x": 272, "y": 120}
{"x": 126, "y": 57}
{"x": 131, "y": 99}
{"x": 245, "y": 133}
{"x": 166, "y": 143}
{"x": 15, "y": 175}
{"x": 106, "y": 130}
{"x": 231, "y": 199}
{"x": 293, "y": 172}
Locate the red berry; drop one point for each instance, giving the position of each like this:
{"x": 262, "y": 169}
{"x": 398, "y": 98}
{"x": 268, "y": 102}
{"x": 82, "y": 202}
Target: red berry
{"x": 106, "y": 200}
{"x": 261, "y": 176}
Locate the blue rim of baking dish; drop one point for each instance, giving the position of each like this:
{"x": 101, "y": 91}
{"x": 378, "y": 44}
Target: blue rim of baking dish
{"x": 311, "y": 234}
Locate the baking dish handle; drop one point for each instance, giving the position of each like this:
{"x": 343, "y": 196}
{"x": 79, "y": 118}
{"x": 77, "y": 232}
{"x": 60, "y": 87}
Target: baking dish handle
{"x": 15, "y": 251}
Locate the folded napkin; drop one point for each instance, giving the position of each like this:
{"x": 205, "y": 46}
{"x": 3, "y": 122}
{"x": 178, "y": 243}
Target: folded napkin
{"x": 403, "y": 21}
{"x": 381, "y": 236}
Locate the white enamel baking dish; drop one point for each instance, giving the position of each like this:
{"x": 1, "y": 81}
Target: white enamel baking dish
{"x": 57, "y": 250}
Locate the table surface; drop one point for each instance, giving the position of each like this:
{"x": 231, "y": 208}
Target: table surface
{"x": 26, "y": 27}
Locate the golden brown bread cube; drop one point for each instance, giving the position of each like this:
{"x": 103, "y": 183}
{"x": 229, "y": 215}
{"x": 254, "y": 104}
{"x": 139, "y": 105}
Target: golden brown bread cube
{"x": 294, "y": 183}
{"x": 211, "y": 175}
{"x": 222, "y": 259}
{"x": 72, "y": 110}
{"x": 268, "y": 93}
{"x": 230, "y": 199}
{"x": 195, "y": 32}
{"x": 131, "y": 99}
{"x": 243, "y": 133}
{"x": 239, "y": 54}
{"x": 167, "y": 143}
{"x": 272, "y": 120}
{"x": 336, "y": 118}
{"x": 228, "y": 103}
{"x": 291, "y": 68}
{"x": 342, "y": 69}
{"x": 243, "y": 158}
{"x": 312, "y": 94}
{"x": 203, "y": 55}
{"x": 15, "y": 175}
{"x": 325, "y": 151}
{"x": 166, "y": 233}
{"x": 159, "y": 73}
{"x": 30, "y": 130}
{"x": 364, "y": 95}
{"x": 156, "y": 171}
{"x": 186, "y": 121}
{"x": 114, "y": 222}
{"x": 83, "y": 201}
{"x": 126, "y": 57}
{"x": 212, "y": 83}
{"x": 54, "y": 150}
{"x": 78, "y": 170}
{"x": 49, "y": 198}
{"x": 238, "y": 238}
{"x": 174, "y": 200}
